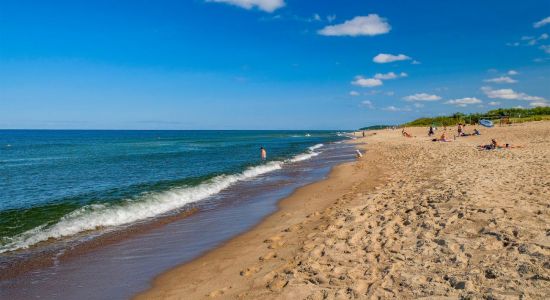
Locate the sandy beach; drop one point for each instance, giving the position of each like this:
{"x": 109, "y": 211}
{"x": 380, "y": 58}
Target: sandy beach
{"x": 411, "y": 219}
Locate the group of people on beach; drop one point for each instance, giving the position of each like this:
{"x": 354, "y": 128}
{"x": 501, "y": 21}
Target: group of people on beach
{"x": 461, "y": 132}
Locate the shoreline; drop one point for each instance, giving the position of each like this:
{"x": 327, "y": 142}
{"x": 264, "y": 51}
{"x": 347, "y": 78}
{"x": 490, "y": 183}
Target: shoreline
{"x": 264, "y": 239}
{"x": 411, "y": 219}
{"x": 136, "y": 250}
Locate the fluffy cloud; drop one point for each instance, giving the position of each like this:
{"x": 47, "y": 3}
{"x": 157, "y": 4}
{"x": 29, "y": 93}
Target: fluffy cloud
{"x": 390, "y": 75}
{"x": 361, "y": 25}
{"x": 512, "y": 72}
{"x": 502, "y": 79}
{"x": 383, "y": 58}
{"x": 367, "y": 103}
{"x": 542, "y": 22}
{"x": 539, "y": 104}
{"x": 494, "y": 103}
{"x": 422, "y": 97}
{"x": 366, "y": 82}
{"x": 508, "y": 94}
{"x": 393, "y": 108}
{"x": 354, "y": 93}
{"x": 265, "y": 5}
{"x": 462, "y": 102}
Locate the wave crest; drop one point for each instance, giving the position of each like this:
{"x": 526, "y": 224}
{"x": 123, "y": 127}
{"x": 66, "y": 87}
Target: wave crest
{"x": 96, "y": 216}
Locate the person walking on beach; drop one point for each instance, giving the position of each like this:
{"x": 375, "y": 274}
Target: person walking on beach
{"x": 263, "y": 153}
{"x": 431, "y": 131}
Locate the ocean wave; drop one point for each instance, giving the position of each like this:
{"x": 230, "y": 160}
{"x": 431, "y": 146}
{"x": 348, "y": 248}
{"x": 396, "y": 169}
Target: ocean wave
{"x": 315, "y": 147}
{"x": 98, "y": 216}
{"x": 304, "y": 156}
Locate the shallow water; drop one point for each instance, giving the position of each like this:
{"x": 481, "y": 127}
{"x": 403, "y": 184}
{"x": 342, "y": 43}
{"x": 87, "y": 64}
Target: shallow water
{"x": 119, "y": 269}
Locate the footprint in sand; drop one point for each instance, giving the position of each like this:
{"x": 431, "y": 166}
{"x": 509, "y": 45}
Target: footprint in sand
{"x": 219, "y": 292}
{"x": 268, "y": 256}
{"x": 250, "y": 271}
{"x": 275, "y": 242}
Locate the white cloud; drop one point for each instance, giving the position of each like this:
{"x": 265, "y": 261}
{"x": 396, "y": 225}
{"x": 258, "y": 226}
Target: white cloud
{"x": 316, "y": 17}
{"x": 390, "y": 75}
{"x": 265, "y": 5}
{"x": 508, "y": 94}
{"x": 494, "y": 103}
{"x": 366, "y": 82}
{"x": 539, "y": 104}
{"x": 390, "y": 93}
{"x": 422, "y": 97}
{"x": 415, "y": 62}
{"x": 367, "y": 103}
{"x": 513, "y": 72}
{"x": 542, "y": 22}
{"x": 394, "y": 108}
{"x": 462, "y": 102}
{"x": 370, "y": 25}
{"x": 354, "y": 93}
{"x": 531, "y": 40}
{"x": 383, "y": 58}
{"x": 545, "y": 48}
{"x": 331, "y": 18}
{"x": 501, "y": 79}
{"x": 418, "y": 105}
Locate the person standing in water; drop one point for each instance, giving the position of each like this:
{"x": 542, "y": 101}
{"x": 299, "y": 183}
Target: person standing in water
{"x": 263, "y": 153}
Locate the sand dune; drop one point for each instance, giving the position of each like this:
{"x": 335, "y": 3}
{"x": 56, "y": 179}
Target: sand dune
{"x": 411, "y": 219}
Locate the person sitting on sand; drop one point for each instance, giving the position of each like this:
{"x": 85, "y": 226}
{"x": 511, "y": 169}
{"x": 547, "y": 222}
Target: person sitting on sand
{"x": 406, "y": 134}
{"x": 431, "y": 131}
{"x": 495, "y": 145}
{"x": 443, "y": 138}
{"x": 476, "y": 132}
{"x": 459, "y": 129}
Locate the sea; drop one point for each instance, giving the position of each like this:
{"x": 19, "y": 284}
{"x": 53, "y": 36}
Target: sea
{"x": 72, "y": 200}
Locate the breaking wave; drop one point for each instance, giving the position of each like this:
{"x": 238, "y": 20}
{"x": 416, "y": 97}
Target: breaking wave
{"x": 149, "y": 205}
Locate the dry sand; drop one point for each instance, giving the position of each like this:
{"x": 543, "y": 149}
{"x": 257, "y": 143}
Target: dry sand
{"x": 411, "y": 219}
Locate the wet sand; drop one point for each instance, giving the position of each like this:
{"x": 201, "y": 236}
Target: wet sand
{"x": 411, "y": 219}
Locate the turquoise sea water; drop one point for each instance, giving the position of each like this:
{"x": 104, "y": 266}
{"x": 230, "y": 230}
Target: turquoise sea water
{"x": 56, "y": 184}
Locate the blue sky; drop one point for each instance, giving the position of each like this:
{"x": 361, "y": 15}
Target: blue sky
{"x": 266, "y": 64}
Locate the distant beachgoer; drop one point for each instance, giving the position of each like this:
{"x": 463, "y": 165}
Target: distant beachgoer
{"x": 363, "y": 133}
{"x": 406, "y": 134}
{"x": 263, "y": 153}
{"x": 443, "y": 138}
{"x": 459, "y": 129}
{"x": 358, "y": 154}
{"x": 431, "y": 131}
{"x": 476, "y": 132}
{"x": 495, "y": 145}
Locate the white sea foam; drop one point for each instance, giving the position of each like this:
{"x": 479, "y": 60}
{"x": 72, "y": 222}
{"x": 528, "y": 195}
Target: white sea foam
{"x": 96, "y": 216}
{"x": 315, "y": 147}
{"x": 304, "y": 156}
